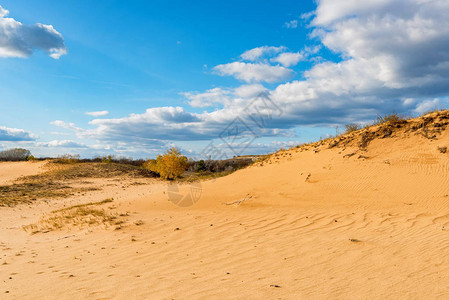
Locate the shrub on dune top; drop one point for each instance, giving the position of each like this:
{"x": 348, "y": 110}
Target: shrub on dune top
{"x": 392, "y": 119}
{"x": 352, "y": 127}
{"x": 170, "y": 165}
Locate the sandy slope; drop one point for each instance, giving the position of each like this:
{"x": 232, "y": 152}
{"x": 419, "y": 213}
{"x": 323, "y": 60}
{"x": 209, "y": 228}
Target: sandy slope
{"x": 314, "y": 223}
{"x": 9, "y": 171}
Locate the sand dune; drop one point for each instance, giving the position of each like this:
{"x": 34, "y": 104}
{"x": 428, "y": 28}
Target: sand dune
{"x": 315, "y": 222}
{"x": 10, "y": 171}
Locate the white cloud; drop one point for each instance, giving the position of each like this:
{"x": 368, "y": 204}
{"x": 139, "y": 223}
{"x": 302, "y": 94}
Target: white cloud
{"x": 158, "y": 126}
{"x": 155, "y": 124}
{"x": 19, "y": 40}
{"x": 427, "y": 106}
{"x": 224, "y": 97}
{"x": 329, "y": 11}
{"x": 97, "y": 113}
{"x": 257, "y": 53}
{"x": 62, "y": 124}
{"x": 291, "y": 24}
{"x": 250, "y": 72}
{"x": 208, "y": 98}
{"x": 3, "y": 12}
{"x": 394, "y": 57}
{"x": 395, "y": 36}
{"x": 15, "y": 134}
{"x": 61, "y": 144}
{"x": 288, "y": 59}
{"x": 262, "y": 66}
{"x": 249, "y": 90}
{"x": 392, "y": 51}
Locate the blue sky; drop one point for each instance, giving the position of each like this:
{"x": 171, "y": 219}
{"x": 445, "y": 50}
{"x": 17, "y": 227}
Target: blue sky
{"x": 159, "y": 73}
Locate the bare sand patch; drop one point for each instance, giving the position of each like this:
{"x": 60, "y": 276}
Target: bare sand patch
{"x": 10, "y": 171}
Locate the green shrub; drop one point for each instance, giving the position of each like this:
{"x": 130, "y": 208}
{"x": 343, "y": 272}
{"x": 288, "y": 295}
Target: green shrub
{"x": 107, "y": 159}
{"x": 201, "y": 166}
{"x": 68, "y": 159}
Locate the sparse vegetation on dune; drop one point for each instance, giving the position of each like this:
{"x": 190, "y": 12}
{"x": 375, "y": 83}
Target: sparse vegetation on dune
{"x": 391, "y": 119}
{"x": 71, "y": 159}
{"x": 79, "y": 216}
{"x": 57, "y": 181}
{"x": 92, "y": 170}
{"x": 108, "y": 200}
{"x": 29, "y": 191}
{"x": 62, "y": 173}
{"x": 352, "y": 127}
{"x": 429, "y": 125}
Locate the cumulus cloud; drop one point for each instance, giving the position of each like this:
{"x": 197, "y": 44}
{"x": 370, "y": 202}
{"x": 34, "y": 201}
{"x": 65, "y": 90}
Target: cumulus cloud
{"x": 209, "y": 98}
{"x": 288, "y": 59}
{"x": 394, "y": 55}
{"x": 392, "y": 51}
{"x": 266, "y": 64}
{"x": 62, "y": 124}
{"x": 224, "y": 97}
{"x": 427, "y": 106}
{"x": 163, "y": 124}
{"x": 405, "y": 41}
{"x": 97, "y": 113}
{"x": 61, "y": 144}
{"x": 19, "y": 40}
{"x": 3, "y": 12}
{"x": 250, "y": 72}
{"x": 259, "y": 52}
{"x": 14, "y": 134}
{"x": 249, "y": 90}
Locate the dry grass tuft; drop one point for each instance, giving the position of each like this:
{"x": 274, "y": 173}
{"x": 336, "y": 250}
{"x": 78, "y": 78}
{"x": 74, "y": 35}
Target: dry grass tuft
{"x": 391, "y": 119}
{"x": 80, "y": 216}
{"x": 352, "y": 127}
{"x": 108, "y": 200}
{"x": 90, "y": 170}
{"x": 26, "y": 192}
{"x": 442, "y": 149}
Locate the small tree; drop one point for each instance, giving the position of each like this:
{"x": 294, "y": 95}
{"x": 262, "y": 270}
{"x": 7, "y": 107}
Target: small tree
{"x": 201, "y": 166}
{"x": 15, "y": 154}
{"x": 170, "y": 165}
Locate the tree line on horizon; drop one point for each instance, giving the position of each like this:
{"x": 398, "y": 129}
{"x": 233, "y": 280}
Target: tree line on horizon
{"x": 169, "y": 165}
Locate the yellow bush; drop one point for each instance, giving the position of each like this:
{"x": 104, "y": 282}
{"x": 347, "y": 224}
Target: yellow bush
{"x": 31, "y": 158}
{"x": 106, "y": 159}
{"x": 170, "y": 165}
{"x": 68, "y": 159}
